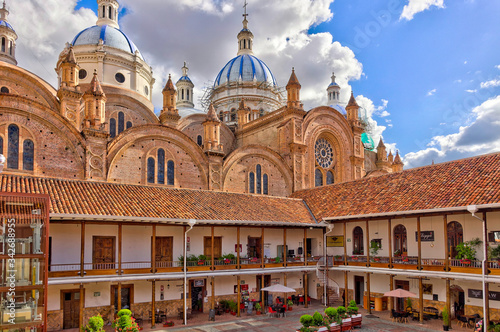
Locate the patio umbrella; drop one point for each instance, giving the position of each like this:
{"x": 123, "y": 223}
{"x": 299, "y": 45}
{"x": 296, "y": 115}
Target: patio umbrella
{"x": 278, "y": 289}
{"x": 400, "y": 293}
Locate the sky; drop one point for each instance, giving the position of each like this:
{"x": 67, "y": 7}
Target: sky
{"x": 425, "y": 72}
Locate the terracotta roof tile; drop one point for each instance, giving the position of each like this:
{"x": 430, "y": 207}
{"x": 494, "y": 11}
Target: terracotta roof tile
{"x": 110, "y": 199}
{"x": 453, "y": 184}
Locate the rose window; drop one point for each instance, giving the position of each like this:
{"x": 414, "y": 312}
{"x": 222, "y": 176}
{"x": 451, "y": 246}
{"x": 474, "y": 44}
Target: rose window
{"x": 324, "y": 153}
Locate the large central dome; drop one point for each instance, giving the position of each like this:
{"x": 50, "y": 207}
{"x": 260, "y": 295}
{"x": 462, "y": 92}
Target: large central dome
{"x": 246, "y": 68}
{"x": 110, "y": 36}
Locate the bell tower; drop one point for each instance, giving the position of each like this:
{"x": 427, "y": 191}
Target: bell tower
{"x": 107, "y": 13}
{"x": 8, "y": 38}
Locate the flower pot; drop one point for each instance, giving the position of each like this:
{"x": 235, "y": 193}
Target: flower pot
{"x": 289, "y": 308}
{"x": 445, "y": 327}
{"x": 233, "y": 313}
{"x": 258, "y": 312}
{"x": 201, "y": 262}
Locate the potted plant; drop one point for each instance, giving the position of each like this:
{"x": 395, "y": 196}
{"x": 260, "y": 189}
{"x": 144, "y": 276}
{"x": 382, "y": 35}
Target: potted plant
{"x": 374, "y": 248}
{"x": 404, "y": 258}
{"x": 258, "y": 308}
{"x": 233, "y": 306}
{"x": 408, "y": 303}
{"x": 277, "y": 260}
{"x": 306, "y": 321}
{"x": 338, "y": 257}
{"x": 352, "y": 309}
{"x": 317, "y": 319}
{"x": 95, "y": 324}
{"x": 397, "y": 253}
{"x": 202, "y": 259}
{"x": 335, "y": 321}
{"x": 466, "y": 251}
{"x": 124, "y": 322}
{"x": 290, "y": 304}
{"x": 446, "y": 319}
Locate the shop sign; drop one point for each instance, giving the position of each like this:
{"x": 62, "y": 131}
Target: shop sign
{"x": 335, "y": 241}
{"x": 478, "y": 294}
{"x": 425, "y": 236}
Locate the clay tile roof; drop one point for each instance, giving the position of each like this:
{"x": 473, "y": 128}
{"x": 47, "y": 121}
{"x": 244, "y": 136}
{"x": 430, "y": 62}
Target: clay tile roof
{"x": 352, "y": 101}
{"x": 293, "y": 79}
{"x": 95, "y": 87}
{"x": 169, "y": 85}
{"x": 122, "y": 200}
{"x": 471, "y": 181}
{"x": 211, "y": 115}
{"x": 70, "y": 57}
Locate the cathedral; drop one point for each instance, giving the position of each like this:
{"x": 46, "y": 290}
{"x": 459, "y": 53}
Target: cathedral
{"x": 99, "y": 123}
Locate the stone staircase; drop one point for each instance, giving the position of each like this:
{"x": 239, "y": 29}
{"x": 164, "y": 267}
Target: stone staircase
{"x": 333, "y": 293}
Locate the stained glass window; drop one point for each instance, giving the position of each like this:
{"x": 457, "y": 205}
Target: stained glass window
{"x": 318, "y": 178}
{"x": 13, "y": 147}
{"x": 121, "y": 122}
{"x": 251, "y": 183}
{"x": 112, "y": 127}
{"x": 151, "y": 170}
{"x": 259, "y": 179}
{"x": 329, "y": 177}
{"x": 199, "y": 140}
{"x": 28, "y": 155}
{"x": 265, "y": 183}
{"x": 324, "y": 153}
{"x": 170, "y": 173}
{"x": 161, "y": 166}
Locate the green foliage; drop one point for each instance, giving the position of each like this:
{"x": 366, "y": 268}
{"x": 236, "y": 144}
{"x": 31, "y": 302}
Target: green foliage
{"x": 180, "y": 258}
{"x": 125, "y": 322}
{"x": 306, "y": 320}
{"x": 224, "y": 304}
{"x": 332, "y": 313}
{"x": 494, "y": 328}
{"x": 289, "y": 302}
{"x": 192, "y": 258}
{"x": 228, "y": 256}
{"x": 277, "y": 260}
{"x": 202, "y": 258}
{"x": 446, "y": 317}
{"x": 341, "y": 310}
{"x": 317, "y": 319}
{"x": 467, "y": 250}
{"x": 495, "y": 253}
{"x": 233, "y": 306}
{"x": 374, "y": 247}
{"x": 257, "y": 306}
{"x": 352, "y": 309}
{"x": 95, "y": 324}
{"x": 408, "y": 302}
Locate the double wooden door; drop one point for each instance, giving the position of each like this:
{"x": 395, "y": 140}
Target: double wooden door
{"x": 71, "y": 308}
{"x": 163, "y": 251}
{"x": 103, "y": 252}
{"x": 217, "y": 246}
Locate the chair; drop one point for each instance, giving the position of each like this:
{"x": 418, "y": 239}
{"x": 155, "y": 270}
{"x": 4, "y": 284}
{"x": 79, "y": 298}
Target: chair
{"x": 395, "y": 315}
{"x": 404, "y": 317}
{"x": 301, "y": 300}
{"x": 462, "y": 321}
{"x": 271, "y": 312}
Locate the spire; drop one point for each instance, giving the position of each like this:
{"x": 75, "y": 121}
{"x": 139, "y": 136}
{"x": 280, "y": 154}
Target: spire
{"x": 4, "y": 12}
{"x": 390, "y": 157}
{"x": 107, "y": 13}
{"x": 211, "y": 115}
{"x": 352, "y": 101}
{"x": 185, "y": 69}
{"x": 169, "y": 86}
{"x": 397, "y": 165}
{"x": 95, "y": 87}
{"x": 381, "y": 143}
{"x": 184, "y": 89}
{"x": 95, "y": 103}
{"x": 333, "y": 91}
{"x": 70, "y": 57}
{"x": 293, "y": 81}
{"x": 245, "y": 37}
{"x": 293, "y": 91}
{"x": 397, "y": 159}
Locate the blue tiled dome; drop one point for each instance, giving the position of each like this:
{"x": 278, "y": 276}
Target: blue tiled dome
{"x": 6, "y": 24}
{"x": 111, "y": 36}
{"x": 247, "y": 67}
{"x": 184, "y": 78}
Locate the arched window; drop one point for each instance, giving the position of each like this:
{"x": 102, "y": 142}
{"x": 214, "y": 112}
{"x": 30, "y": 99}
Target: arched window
{"x": 110, "y": 13}
{"x": 112, "y": 127}
{"x": 400, "y": 241}
{"x": 104, "y": 11}
{"x": 1, "y": 145}
{"x": 187, "y": 94}
{"x": 182, "y": 94}
{"x": 261, "y": 112}
{"x": 161, "y": 166}
{"x": 455, "y": 237}
{"x": 121, "y": 122}
{"x": 28, "y": 155}
{"x": 4, "y": 89}
{"x": 358, "y": 244}
{"x": 129, "y": 124}
{"x": 10, "y": 47}
{"x": 199, "y": 140}
{"x": 233, "y": 115}
{"x": 258, "y": 171}
{"x": 4, "y": 43}
{"x": 151, "y": 170}
{"x": 251, "y": 183}
{"x": 329, "y": 177}
{"x": 221, "y": 116}
{"x": 244, "y": 43}
{"x": 265, "y": 184}
{"x": 13, "y": 147}
{"x": 318, "y": 178}
{"x": 170, "y": 173}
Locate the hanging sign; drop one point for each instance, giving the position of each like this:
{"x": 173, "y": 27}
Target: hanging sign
{"x": 335, "y": 241}
{"x": 478, "y": 294}
{"x": 425, "y": 236}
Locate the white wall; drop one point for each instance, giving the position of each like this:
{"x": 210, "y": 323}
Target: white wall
{"x": 66, "y": 243}
{"x": 136, "y": 243}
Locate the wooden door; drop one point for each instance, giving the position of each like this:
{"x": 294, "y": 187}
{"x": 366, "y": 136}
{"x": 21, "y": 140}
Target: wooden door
{"x": 359, "y": 290}
{"x": 103, "y": 252}
{"x": 127, "y": 296}
{"x": 71, "y": 308}
{"x": 164, "y": 248}
{"x": 217, "y": 246}
{"x": 455, "y": 237}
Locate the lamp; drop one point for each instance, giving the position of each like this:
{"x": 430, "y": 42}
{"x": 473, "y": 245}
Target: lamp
{"x": 191, "y": 223}
{"x": 2, "y": 161}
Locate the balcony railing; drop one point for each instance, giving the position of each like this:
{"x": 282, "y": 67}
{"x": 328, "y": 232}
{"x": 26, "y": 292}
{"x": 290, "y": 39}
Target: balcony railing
{"x": 465, "y": 263}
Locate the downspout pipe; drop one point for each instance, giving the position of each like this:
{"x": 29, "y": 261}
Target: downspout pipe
{"x": 325, "y": 255}
{"x": 473, "y": 209}
{"x": 191, "y": 224}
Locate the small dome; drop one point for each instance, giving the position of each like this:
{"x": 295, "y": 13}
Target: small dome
{"x": 247, "y": 68}
{"x": 6, "y": 24}
{"x": 184, "y": 78}
{"x": 111, "y": 37}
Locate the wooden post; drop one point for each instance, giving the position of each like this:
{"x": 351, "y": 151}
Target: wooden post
{"x": 262, "y": 294}
{"x": 346, "y": 288}
{"x": 238, "y": 247}
{"x": 367, "y": 244}
{"x": 82, "y": 250}
{"x": 448, "y": 300}
{"x": 419, "y": 263}
{"x": 82, "y": 305}
{"x": 446, "y": 248}
{"x": 284, "y": 279}
{"x": 487, "y": 302}
{"x": 305, "y": 290}
{"x": 262, "y": 253}
{"x": 212, "y": 282}
{"x": 212, "y": 251}
{"x": 285, "y": 252}
{"x": 120, "y": 235}
{"x": 327, "y": 300}
{"x": 389, "y": 224}
{"x": 153, "y": 303}
{"x": 153, "y": 250}
{"x": 368, "y": 293}
{"x": 345, "y": 245}
{"x": 239, "y": 294}
{"x": 391, "y": 287}
{"x": 118, "y": 297}
{"x": 305, "y": 246}
{"x": 421, "y": 300}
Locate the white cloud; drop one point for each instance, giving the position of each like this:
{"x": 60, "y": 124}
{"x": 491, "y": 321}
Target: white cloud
{"x": 471, "y": 91}
{"x": 465, "y": 62}
{"x": 416, "y": 6}
{"x": 480, "y": 137}
{"x": 497, "y": 67}
{"x": 457, "y": 81}
{"x": 490, "y": 84}
{"x": 432, "y": 92}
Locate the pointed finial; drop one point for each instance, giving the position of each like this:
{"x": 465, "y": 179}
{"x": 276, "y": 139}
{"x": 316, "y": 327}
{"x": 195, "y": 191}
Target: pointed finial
{"x": 211, "y": 115}
{"x": 185, "y": 69}
{"x": 352, "y": 100}
{"x": 333, "y": 77}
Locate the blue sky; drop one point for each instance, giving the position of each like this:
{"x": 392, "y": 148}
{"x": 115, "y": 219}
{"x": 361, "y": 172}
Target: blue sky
{"x": 426, "y": 72}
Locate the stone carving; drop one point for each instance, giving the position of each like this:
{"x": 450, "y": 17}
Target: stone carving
{"x": 215, "y": 176}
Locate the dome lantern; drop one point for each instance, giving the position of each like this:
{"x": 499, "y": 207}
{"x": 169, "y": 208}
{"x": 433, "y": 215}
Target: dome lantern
{"x": 107, "y": 13}
{"x": 245, "y": 37}
{"x": 8, "y": 38}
